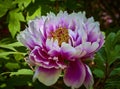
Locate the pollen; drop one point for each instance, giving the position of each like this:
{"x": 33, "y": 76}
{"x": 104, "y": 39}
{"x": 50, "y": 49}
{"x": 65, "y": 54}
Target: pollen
{"x": 61, "y": 34}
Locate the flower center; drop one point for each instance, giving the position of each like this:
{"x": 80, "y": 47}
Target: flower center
{"x": 61, "y": 34}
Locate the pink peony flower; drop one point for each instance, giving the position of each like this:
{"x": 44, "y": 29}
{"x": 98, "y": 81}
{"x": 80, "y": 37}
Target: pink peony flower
{"x": 61, "y": 44}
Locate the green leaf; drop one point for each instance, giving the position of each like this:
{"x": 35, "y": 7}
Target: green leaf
{"x": 99, "y": 73}
{"x": 115, "y": 72}
{"x": 4, "y": 54}
{"x": 23, "y": 2}
{"x": 14, "y": 22}
{"x": 5, "y": 5}
{"x": 117, "y": 38}
{"x": 114, "y": 54}
{"x": 37, "y": 13}
{"x": 113, "y": 84}
{"x": 20, "y": 16}
{"x": 109, "y": 43}
{"x": 11, "y": 46}
{"x": 100, "y": 59}
{"x": 12, "y": 66}
{"x": 3, "y": 85}
{"x": 3, "y": 10}
{"x": 14, "y": 26}
{"x": 15, "y": 44}
{"x": 7, "y": 47}
{"x": 18, "y": 57}
{"x": 22, "y": 72}
{"x": 112, "y": 47}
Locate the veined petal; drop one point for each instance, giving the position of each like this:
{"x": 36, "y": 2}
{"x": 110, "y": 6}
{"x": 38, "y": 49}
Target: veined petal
{"x": 75, "y": 74}
{"x": 88, "y": 83}
{"x": 47, "y": 76}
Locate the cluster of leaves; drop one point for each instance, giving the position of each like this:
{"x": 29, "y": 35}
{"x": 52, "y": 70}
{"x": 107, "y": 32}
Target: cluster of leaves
{"x": 14, "y": 15}
{"x": 15, "y": 72}
{"x": 107, "y": 63}
{"x": 15, "y": 10}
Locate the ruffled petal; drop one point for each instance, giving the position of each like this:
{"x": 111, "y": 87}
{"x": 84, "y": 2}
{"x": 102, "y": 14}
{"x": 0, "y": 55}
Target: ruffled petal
{"x": 90, "y": 47}
{"x": 88, "y": 83}
{"x": 29, "y": 38}
{"x": 37, "y": 55}
{"x": 75, "y": 74}
{"x": 68, "y": 52}
{"x": 47, "y": 76}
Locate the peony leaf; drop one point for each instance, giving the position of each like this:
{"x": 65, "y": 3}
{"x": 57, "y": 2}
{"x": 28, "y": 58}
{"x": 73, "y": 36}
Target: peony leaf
{"x": 22, "y": 72}
{"x": 109, "y": 42}
{"x": 35, "y": 14}
{"x": 14, "y": 22}
{"x": 14, "y": 27}
{"x": 99, "y": 73}
{"x": 12, "y": 66}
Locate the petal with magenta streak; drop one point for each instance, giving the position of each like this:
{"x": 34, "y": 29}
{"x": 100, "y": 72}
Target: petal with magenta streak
{"x": 75, "y": 74}
{"x": 88, "y": 83}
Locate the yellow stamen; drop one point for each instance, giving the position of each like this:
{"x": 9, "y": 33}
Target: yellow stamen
{"x": 61, "y": 34}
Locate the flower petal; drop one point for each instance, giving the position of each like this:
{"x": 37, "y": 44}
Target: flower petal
{"x": 68, "y": 52}
{"x": 90, "y": 47}
{"x": 47, "y": 76}
{"x": 75, "y": 74}
{"x": 88, "y": 83}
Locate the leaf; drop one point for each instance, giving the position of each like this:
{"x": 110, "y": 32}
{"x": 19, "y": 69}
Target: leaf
{"x": 5, "y": 5}
{"x": 112, "y": 47}
{"x": 14, "y": 22}
{"x": 115, "y": 72}
{"x": 12, "y": 66}
{"x": 11, "y": 46}
{"x": 22, "y": 72}
{"x": 23, "y": 2}
{"x": 99, "y": 73}
{"x": 15, "y": 44}
{"x": 4, "y": 54}
{"x": 7, "y": 47}
{"x": 37, "y": 13}
{"x": 117, "y": 38}
{"x": 100, "y": 59}
{"x": 113, "y": 84}
{"x": 14, "y": 26}
{"x": 3, "y": 10}
{"x": 18, "y": 57}
{"x": 109, "y": 43}
{"x": 114, "y": 54}
{"x": 20, "y": 16}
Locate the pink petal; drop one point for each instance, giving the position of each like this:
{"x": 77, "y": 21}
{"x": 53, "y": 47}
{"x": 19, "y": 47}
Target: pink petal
{"x": 74, "y": 74}
{"x": 68, "y": 52}
{"x": 88, "y": 83}
{"x": 90, "y": 47}
{"x": 47, "y": 76}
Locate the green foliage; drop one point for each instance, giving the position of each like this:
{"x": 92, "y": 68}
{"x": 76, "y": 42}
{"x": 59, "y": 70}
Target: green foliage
{"x": 15, "y": 72}
{"x": 22, "y": 72}
{"x": 35, "y": 14}
{"x": 107, "y": 62}
{"x": 99, "y": 73}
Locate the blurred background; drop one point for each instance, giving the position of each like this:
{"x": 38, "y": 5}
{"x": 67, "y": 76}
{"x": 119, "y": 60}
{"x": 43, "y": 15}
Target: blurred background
{"x": 15, "y": 73}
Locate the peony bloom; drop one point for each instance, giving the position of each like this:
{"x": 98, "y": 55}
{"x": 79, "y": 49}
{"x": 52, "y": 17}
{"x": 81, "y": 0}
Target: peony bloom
{"x": 61, "y": 44}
